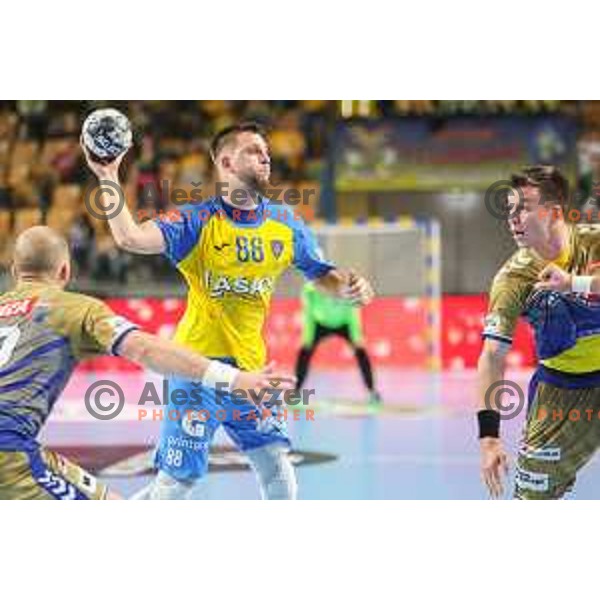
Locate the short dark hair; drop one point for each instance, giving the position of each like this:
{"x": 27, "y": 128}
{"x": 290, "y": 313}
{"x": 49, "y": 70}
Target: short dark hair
{"x": 551, "y": 181}
{"x": 224, "y": 136}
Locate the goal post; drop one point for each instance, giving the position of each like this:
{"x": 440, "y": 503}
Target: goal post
{"x": 402, "y": 260}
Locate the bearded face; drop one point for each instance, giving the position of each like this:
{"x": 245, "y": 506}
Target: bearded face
{"x": 250, "y": 161}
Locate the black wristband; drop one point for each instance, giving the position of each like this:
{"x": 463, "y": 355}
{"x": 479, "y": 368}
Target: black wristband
{"x": 489, "y": 423}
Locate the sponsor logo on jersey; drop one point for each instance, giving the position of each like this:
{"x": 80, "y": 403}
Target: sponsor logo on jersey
{"x": 219, "y": 285}
{"x": 522, "y": 259}
{"x": 57, "y": 486}
{"x": 528, "y": 480}
{"x": 88, "y": 483}
{"x": 192, "y": 424}
{"x": 16, "y": 308}
{"x": 120, "y": 325}
{"x": 546, "y": 454}
{"x": 491, "y": 324}
{"x": 180, "y": 442}
{"x": 219, "y": 248}
{"x": 277, "y": 248}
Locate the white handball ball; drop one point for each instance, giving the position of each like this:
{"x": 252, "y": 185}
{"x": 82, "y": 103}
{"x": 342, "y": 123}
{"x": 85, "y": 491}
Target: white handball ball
{"x": 106, "y": 133}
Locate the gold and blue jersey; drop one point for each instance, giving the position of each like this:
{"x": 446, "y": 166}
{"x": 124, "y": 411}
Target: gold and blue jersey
{"x": 44, "y": 332}
{"x": 231, "y": 260}
{"x": 512, "y": 295}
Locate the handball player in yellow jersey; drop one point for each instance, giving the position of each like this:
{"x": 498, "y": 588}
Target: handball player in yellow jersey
{"x": 231, "y": 249}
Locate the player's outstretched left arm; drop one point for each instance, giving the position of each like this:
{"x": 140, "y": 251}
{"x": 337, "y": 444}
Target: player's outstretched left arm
{"x": 346, "y": 285}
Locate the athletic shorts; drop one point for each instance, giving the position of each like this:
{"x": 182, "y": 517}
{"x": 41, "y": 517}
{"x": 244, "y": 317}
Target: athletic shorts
{"x": 561, "y": 435}
{"x": 188, "y": 427}
{"x": 321, "y": 332}
{"x": 34, "y": 473}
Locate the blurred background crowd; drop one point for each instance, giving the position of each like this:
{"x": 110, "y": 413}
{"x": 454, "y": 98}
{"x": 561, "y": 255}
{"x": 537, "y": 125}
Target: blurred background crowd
{"x": 43, "y": 174}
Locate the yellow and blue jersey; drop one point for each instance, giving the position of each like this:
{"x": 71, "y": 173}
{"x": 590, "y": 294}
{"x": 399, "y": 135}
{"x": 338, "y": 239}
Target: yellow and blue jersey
{"x": 231, "y": 260}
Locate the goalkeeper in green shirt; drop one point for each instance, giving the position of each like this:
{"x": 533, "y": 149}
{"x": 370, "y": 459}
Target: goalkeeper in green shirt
{"x": 322, "y": 316}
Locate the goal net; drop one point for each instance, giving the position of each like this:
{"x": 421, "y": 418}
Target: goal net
{"x": 402, "y": 260}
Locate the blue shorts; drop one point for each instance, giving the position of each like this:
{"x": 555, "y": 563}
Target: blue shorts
{"x": 193, "y": 415}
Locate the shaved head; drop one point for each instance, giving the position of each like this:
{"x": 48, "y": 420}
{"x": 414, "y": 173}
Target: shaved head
{"x": 40, "y": 252}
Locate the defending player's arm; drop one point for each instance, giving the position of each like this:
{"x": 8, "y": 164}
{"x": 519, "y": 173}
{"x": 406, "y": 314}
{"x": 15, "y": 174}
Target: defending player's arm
{"x": 105, "y": 332}
{"x": 555, "y": 278}
{"x": 494, "y": 461}
{"x": 168, "y": 358}
{"x": 144, "y": 238}
{"x": 507, "y": 300}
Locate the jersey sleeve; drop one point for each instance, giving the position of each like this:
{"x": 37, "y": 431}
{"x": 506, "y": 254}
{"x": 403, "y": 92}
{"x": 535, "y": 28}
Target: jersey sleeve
{"x": 594, "y": 250}
{"x": 181, "y": 230}
{"x": 308, "y": 256}
{"x": 508, "y": 297}
{"x": 101, "y": 331}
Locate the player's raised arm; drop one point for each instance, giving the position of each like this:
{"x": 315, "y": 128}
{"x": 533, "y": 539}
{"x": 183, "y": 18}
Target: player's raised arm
{"x": 145, "y": 238}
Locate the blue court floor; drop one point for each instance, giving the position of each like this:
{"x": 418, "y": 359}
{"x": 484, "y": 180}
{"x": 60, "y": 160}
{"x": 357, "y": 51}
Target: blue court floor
{"x": 420, "y": 445}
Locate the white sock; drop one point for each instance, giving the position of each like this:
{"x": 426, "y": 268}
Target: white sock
{"x": 144, "y": 493}
{"x": 165, "y": 487}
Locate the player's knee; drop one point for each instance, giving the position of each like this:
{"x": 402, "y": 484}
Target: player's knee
{"x": 283, "y": 485}
{"x": 286, "y": 479}
{"x": 166, "y": 487}
{"x": 275, "y": 472}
